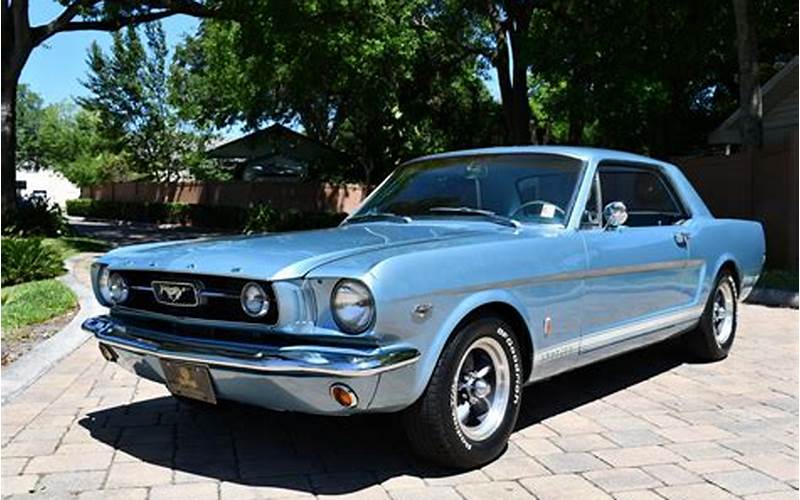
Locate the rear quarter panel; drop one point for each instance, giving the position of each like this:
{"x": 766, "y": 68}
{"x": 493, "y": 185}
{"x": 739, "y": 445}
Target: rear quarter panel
{"x": 719, "y": 241}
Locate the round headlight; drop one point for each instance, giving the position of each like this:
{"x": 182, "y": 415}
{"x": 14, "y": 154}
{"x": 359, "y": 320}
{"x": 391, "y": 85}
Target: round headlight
{"x": 112, "y": 287}
{"x": 352, "y": 306}
{"x": 255, "y": 301}
{"x": 117, "y": 289}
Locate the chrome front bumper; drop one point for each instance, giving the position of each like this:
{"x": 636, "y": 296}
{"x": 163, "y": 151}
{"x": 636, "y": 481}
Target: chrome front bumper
{"x": 294, "y": 378}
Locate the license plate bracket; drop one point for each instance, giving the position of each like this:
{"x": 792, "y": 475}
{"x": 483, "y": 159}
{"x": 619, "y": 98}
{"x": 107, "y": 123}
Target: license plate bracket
{"x": 190, "y": 380}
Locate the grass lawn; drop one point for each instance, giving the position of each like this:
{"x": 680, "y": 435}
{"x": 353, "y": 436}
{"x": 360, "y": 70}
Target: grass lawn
{"x": 68, "y": 246}
{"x": 779, "y": 279}
{"x": 34, "y": 302}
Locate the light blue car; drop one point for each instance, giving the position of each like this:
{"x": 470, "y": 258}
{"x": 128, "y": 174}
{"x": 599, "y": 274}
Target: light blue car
{"x": 462, "y": 278}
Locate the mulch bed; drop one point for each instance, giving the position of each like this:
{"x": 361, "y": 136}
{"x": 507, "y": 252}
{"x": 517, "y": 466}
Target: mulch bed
{"x": 27, "y": 337}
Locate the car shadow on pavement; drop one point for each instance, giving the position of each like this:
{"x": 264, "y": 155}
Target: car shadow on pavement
{"x": 326, "y": 455}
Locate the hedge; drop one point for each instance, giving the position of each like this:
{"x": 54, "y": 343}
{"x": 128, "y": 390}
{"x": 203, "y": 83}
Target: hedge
{"x": 260, "y": 218}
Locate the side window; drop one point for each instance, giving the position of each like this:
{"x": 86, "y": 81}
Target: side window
{"x": 649, "y": 199}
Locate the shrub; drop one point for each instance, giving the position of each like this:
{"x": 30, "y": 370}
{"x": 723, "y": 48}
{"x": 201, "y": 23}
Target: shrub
{"x": 82, "y": 207}
{"x": 35, "y": 216}
{"x": 27, "y": 259}
{"x": 261, "y": 219}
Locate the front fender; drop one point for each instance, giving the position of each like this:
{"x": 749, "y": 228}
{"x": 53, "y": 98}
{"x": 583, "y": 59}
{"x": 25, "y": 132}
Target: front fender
{"x": 430, "y": 355}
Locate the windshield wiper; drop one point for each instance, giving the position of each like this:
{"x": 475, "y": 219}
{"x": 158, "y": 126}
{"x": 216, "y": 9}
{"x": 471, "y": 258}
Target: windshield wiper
{"x": 487, "y": 214}
{"x": 378, "y": 216}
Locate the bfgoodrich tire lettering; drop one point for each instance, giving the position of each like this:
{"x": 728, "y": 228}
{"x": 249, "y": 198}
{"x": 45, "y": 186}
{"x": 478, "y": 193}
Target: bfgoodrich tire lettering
{"x": 481, "y": 364}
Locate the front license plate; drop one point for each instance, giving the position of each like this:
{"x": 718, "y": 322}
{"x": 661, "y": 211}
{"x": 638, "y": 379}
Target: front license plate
{"x": 189, "y": 380}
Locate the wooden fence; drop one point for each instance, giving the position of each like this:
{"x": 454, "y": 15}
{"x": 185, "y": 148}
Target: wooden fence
{"x": 760, "y": 185}
{"x": 305, "y": 196}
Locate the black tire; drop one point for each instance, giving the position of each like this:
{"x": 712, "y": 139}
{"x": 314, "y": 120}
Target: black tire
{"x": 703, "y": 342}
{"x": 431, "y": 423}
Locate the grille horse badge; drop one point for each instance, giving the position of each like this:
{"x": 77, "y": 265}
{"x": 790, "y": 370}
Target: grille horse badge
{"x": 175, "y": 294}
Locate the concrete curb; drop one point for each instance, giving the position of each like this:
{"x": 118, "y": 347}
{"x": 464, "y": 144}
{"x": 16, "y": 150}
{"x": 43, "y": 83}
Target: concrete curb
{"x": 773, "y": 297}
{"x": 26, "y": 370}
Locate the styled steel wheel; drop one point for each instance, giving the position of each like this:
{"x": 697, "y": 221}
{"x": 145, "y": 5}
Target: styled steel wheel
{"x": 481, "y": 389}
{"x": 464, "y": 417}
{"x": 722, "y": 311}
{"x": 713, "y": 337}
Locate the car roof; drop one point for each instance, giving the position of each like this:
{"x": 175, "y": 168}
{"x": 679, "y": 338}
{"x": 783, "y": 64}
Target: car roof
{"x": 581, "y": 153}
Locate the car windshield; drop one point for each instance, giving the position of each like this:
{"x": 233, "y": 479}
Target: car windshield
{"x": 534, "y": 188}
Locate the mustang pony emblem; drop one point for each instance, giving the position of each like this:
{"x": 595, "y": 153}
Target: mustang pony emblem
{"x": 173, "y": 293}
{"x": 176, "y": 294}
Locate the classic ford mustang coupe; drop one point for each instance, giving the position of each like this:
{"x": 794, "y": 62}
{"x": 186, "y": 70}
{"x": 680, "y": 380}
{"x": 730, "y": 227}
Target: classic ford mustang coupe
{"x": 463, "y": 277}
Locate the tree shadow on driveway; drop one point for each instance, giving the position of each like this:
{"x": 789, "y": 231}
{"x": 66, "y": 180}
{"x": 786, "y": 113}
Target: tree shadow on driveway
{"x": 327, "y": 455}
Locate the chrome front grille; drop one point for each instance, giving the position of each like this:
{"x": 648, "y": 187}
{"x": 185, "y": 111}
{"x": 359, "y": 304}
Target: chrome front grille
{"x": 214, "y": 297}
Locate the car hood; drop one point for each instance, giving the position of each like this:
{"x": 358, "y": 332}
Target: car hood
{"x": 283, "y": 255}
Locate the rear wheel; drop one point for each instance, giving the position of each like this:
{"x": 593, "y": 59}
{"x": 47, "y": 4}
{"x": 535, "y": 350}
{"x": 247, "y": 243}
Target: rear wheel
{"x": 713, "y": 337}
{"x": 470, "y": 406}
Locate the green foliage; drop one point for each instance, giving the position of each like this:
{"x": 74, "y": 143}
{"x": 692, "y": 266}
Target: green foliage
{"x": 360, "y": 76}
{"x": 780, "y": 279}
{"x": 35, "y": 216}
{"x": 644, "y": 76}
{"x": 34, "y": 302}
{"x": 30, "y": 109}
{"x": 65, "y": 138}
{"x": 28, "y": 259}
{"x": 130, "y": 93}
{"x": 259, "y": 218}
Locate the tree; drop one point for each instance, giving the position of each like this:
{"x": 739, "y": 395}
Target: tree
{"x": 644, "y": 76}
{"x": 359, "y": 76}
{"x": 750, "y": 105}
{"x": 129, "y": 90}
{"x": 64, "y": 138}
{"x": 19, "y": 39}
{"x": 30, "y": 112}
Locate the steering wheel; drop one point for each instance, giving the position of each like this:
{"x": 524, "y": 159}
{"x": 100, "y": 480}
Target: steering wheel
{"x": 538, "y": 202}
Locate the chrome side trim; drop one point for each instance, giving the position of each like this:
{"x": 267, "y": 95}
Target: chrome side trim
{"x": 584, "y": 274}
{"x": 604, "y": 338}
{"x": 611, "y": 336}
{"x": 293, "y": 360}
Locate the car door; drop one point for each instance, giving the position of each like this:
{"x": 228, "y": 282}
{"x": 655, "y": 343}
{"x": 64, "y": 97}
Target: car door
{"x": 637, "y": 273}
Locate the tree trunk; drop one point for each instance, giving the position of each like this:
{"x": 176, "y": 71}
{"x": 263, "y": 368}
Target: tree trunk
{"x": 522, "y": 109}
{"x": 750, "y": 105}
{"x": 16, "y": 47}
{"x": 9, "y": 144}
{"x": 513, "y": 83}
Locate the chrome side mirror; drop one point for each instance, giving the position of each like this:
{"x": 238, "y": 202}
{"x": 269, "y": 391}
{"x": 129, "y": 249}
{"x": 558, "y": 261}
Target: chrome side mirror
{"x": 615, "y": 214}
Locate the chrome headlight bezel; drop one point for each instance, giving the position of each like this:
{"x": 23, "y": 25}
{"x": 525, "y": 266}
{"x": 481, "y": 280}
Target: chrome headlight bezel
{"x": 260, "y": 311}
{"x": 350, "y": 293}
{"x": 103, "y": 279}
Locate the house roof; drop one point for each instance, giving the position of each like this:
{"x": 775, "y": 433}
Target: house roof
{"x": 777, "y": 88}
{"x": 273, "y": 140}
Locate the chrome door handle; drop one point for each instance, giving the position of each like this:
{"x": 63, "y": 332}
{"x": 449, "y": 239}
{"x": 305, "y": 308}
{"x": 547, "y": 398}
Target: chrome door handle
{"x": 682, "y": 238}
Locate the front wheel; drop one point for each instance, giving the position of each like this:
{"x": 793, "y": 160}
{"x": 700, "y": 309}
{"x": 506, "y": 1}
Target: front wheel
{"x": 467, "y": 412}
{"x": 713, "y": 337}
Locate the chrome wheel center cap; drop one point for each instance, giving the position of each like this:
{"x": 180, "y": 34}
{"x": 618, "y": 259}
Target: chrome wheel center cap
{"x": 480, "y": 388}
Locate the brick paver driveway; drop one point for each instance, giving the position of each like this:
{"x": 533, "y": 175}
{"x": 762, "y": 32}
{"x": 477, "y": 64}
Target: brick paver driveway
{"x": 645, "y": 425}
